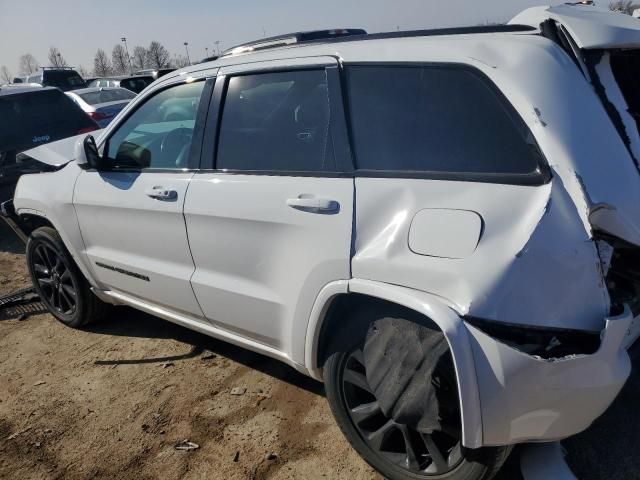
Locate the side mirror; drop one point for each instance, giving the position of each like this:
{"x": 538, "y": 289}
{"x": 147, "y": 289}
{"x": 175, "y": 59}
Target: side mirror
{"x": 87, "y": 155}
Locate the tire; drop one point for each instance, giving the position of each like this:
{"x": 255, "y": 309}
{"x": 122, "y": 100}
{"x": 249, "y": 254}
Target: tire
{"x": 58, "y": 281}
{"x": 455, "y": 462}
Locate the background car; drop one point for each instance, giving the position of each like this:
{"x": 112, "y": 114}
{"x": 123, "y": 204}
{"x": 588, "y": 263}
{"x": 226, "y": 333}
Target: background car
{"x": 33, "y": 116}
{"x": 64, "y": 78}
{"x": 135, "y": 83}
{"x": 102, "y": 104}
{"x": 156, "y": 73}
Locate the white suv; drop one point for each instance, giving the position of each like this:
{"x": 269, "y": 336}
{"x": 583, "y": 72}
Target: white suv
{"x": 443, "y": 226}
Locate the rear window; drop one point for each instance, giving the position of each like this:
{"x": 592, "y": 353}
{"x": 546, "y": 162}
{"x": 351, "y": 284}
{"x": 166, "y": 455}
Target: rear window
{"x": 64, "y": 80}
{"x": 104, "y": 96}
{"x": 435, "y": 119}
{"x": 136, "y": 84}
{"x": 31, "y": 119}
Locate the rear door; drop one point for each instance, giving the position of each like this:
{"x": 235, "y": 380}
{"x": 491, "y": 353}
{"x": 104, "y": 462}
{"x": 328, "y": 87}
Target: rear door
{"x": 270, "y": 224}
{"x": 130, "y": 212}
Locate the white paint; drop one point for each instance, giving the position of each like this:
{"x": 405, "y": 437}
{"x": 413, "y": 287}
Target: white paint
{"x": 445, "y": 233}
{"x": 59, "y": 153}
{"x": 615, "y": 96}
{"x": 525, "y": 398}
{"x": 123, "y": 227}
{"x": 260, "y": 263}
{"x": 591, "y": 27}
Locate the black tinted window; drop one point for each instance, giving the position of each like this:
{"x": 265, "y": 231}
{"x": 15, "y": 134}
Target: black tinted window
{"x": 136, "y": 85}
{"x": 34, "y": 118}
{"x": 276, "y": 122}
{"x": 64, "y": 80}
{"x": 441, "y": 119}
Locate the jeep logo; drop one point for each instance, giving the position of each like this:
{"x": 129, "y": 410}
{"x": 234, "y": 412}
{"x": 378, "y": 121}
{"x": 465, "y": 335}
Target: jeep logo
{"x": 43, "y": 138}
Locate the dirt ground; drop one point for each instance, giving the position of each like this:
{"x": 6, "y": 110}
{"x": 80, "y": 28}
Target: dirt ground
{"x": 113, "y": 400}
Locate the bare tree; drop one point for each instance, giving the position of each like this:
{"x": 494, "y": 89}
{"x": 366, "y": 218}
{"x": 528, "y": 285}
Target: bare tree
{"x": 5, "y": 75}
{"x": 139, "y": 58}
{"x": 84, "y": 73}
{"x": 28, "y": 64}
{"x": 101, "y": 64}
{"x": 56, "y": 59}
{"x": 624, "y": 6}
{"x": 180, "y": 61}
{"x": 158, "y": 55}
{"x": 119, "y": 60}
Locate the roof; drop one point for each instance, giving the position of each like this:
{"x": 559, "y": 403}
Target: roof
{"x": 18, "y": 89}
{"x": 344, "y": 47}
{"x": 590, "y": 27}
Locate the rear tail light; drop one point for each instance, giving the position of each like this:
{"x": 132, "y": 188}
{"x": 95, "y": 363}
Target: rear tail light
{"x": 97, "y": 116}
{"x": 88, "y": 129}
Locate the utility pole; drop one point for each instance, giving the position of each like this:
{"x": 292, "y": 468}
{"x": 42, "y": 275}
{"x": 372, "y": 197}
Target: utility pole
{"x": 217, "y": 42}
{"x": 124, "y": 40}
{"x": 206, "y": 49}
{"x": 186, "y": 47}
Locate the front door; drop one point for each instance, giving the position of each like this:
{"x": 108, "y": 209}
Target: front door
{"x": 271, "y": 225}
{"x": 130, "y": 213}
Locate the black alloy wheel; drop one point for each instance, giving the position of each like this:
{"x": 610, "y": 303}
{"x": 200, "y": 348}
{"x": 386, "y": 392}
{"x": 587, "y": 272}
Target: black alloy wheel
{"x": 429, "y": 454}
{"x": 57, "y": 286}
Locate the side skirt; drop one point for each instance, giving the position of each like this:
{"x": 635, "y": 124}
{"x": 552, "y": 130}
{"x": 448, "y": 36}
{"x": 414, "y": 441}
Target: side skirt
{"x": 119, "y": 298}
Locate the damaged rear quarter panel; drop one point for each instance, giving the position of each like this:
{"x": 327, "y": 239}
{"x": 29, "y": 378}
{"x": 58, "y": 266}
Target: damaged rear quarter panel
{"x": 535, "y": 263}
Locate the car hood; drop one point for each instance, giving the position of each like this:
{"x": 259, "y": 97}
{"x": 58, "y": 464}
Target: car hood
{"x": 591, "y": 27}
{"x": 57, "y": 154}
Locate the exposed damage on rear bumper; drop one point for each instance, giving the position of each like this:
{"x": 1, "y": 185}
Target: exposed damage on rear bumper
{"x": 528, "y": 398}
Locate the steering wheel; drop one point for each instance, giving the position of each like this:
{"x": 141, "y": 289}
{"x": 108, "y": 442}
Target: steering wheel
{"x": 174, "y": 148}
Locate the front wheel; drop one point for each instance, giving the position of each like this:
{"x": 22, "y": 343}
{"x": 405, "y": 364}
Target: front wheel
{"x": 58, "y": 281}
{"x": 390, "y": 430}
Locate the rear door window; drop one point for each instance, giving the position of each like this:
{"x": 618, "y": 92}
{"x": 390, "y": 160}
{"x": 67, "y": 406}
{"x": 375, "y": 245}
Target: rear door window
{"x": 276, "y": 122}
{"x": 445, "y": 119}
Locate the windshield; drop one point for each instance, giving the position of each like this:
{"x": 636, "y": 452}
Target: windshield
{"x": 104, "y": 96}
{"x": 65, "y": 80}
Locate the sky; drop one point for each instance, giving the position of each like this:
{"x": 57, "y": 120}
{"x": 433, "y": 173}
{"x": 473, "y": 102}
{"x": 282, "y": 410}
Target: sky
{"x": 79, "y": 27}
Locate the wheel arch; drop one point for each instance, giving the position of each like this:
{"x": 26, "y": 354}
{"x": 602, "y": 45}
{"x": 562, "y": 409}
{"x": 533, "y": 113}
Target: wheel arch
{"x": 31, "y": 220}
{"x": 332, "y": 301}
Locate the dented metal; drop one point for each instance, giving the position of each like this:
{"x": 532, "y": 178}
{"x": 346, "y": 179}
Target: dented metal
{"x": 544, "y": 256}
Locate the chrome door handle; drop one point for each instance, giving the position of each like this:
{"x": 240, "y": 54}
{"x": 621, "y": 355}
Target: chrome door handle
{"x": 311, "y": 204}
{"x": 161, "y": 193}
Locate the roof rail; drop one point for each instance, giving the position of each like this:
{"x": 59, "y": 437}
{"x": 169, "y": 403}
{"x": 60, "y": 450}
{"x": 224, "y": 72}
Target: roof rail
{"x": 293, "y": 38}
{"x": 57, "y": 68}
{"x": 348, "y": 35}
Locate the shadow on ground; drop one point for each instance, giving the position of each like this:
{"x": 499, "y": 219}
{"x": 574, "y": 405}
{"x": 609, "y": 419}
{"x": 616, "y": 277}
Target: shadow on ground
{"x": 9, "y": 241}
{"x": 608, "y": 450}
{"x": 127, "y": 322}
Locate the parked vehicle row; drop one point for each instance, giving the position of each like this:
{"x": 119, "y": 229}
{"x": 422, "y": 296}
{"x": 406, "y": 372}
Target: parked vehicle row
{"x": 135, "y": 83}
{"x": 63, "y": 78}
{"x": 102, "y": 104}
{"x": 33, "y": 116}
{"x": 442, "y": 226}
